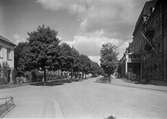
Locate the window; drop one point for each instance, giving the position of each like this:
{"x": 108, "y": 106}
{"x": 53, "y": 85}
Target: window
{"x": 145, "y": 18}
{"x": 9, "y": 57}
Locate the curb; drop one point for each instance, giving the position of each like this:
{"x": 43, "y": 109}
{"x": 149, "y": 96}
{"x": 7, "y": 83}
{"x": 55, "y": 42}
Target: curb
{"x": 144, "y": 88}
{"x": 131, "y": 85}
{"x": 7, "y": 111}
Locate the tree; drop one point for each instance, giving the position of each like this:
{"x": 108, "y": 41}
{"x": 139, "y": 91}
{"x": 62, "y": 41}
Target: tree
{"x": 108, "y": 58}
{"x": 43, "y": 49}
{"x": 75, "y": 62}
{"x": 19, "y": 56}
{"x": 85, "y": 64}
{"x": 66, "y": 58}
{"x": 71, "y": 60}
{"x": 94, "y": 69}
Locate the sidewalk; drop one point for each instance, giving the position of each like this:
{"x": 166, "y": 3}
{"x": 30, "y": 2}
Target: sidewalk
{"x": 5, "y": 86}
{"x": 122, "y": 82}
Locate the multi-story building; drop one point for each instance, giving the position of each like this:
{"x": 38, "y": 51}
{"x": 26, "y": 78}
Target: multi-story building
{"x": 6, "y": 57}
{"x": 155, "y": 62}
{"x": 149, "y": 45}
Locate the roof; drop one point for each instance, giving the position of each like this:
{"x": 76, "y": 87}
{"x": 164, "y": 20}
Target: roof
{"x": 3, "y": 39}
{"x": 146, "y": 11}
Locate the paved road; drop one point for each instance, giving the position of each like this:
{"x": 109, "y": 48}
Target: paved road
{"x": 87, "y": 100}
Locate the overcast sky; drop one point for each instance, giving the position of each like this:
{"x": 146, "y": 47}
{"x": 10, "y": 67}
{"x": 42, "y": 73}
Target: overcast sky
{"x": 84, "y": 24}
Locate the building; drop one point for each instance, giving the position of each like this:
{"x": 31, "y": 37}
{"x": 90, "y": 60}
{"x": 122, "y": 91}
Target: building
{"x": 6, "y": 58}
{"x": 130, "y": 64}
{"x": 155, "y": 62}
{"x": 147, "y": 54}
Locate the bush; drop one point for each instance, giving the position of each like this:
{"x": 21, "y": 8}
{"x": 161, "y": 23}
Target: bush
{"x": 3, "y": 81}
{"x": 104, "y": 79}
{"x": 28, "y": 76}
{"x": 18, "y": 80}
{"x": 19, "y": 74}
{"x": 36, "y": 76}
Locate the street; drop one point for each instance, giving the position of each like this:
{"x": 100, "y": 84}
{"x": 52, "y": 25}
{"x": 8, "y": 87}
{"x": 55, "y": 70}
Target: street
{"x": 86, "y": 100}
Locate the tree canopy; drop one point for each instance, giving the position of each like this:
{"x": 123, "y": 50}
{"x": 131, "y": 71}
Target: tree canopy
{"x": 44, "y": 51}
{"x": 108, "y": 58}
{"x": 43, "y": 45}
{"x": 20, "y": 58}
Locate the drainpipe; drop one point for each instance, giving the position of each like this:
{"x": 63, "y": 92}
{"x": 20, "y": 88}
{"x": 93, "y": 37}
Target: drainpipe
{"x": 141, "y": 66}
{"x": 126, "y": 64}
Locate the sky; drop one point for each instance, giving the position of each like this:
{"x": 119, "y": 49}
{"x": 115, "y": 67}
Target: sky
{"x": 83, "y": 24}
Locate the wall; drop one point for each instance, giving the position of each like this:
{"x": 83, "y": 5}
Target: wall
{"x": 3, "y": 57}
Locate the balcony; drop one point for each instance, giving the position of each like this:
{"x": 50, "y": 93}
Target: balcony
{"x": 133, "y": 58}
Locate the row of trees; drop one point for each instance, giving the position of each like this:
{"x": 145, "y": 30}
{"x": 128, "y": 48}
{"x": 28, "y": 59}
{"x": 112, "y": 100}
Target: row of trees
{"x": 45, "y": 52}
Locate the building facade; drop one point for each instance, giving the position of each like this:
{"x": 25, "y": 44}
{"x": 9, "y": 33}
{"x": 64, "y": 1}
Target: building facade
{"x": 149, "y": 45}
{"x": 6, "y": 59}
{"x": 155, "y": 59}
{"x": 130, "y": 65}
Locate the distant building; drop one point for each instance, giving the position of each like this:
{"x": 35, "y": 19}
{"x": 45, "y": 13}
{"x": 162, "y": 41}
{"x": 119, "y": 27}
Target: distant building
{"x": 6, "y": 57}
{"x": 130, "y": 64}
{"x": 147, "y": 54}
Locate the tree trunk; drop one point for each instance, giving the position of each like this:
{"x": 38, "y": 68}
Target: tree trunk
{"x": 44, "y": 76}
{"x": 71, "y": 74}
{"x": 85, "y": 75}
{"x": 61, "y": 73}
{"x": 109, "y": 78}
{"x": 75, "y": 74}
{"x": 82, "y": 75}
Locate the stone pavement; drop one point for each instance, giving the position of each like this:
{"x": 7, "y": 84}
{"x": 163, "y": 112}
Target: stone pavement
{"x": 122, "y": 82}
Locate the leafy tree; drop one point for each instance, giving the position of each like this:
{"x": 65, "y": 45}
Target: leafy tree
{"x": 75, "y": 62}
{"x": 72, "y": 61}
{"x": 85, "y": 64}
{"x": 43, "y": 48}
{"x": 19, "y": 56}
{"x": 66, "y": 57}
{"x": 94, "y": 69}
{"x": 43, "y": 51}
{"x": 108, "y": 58}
